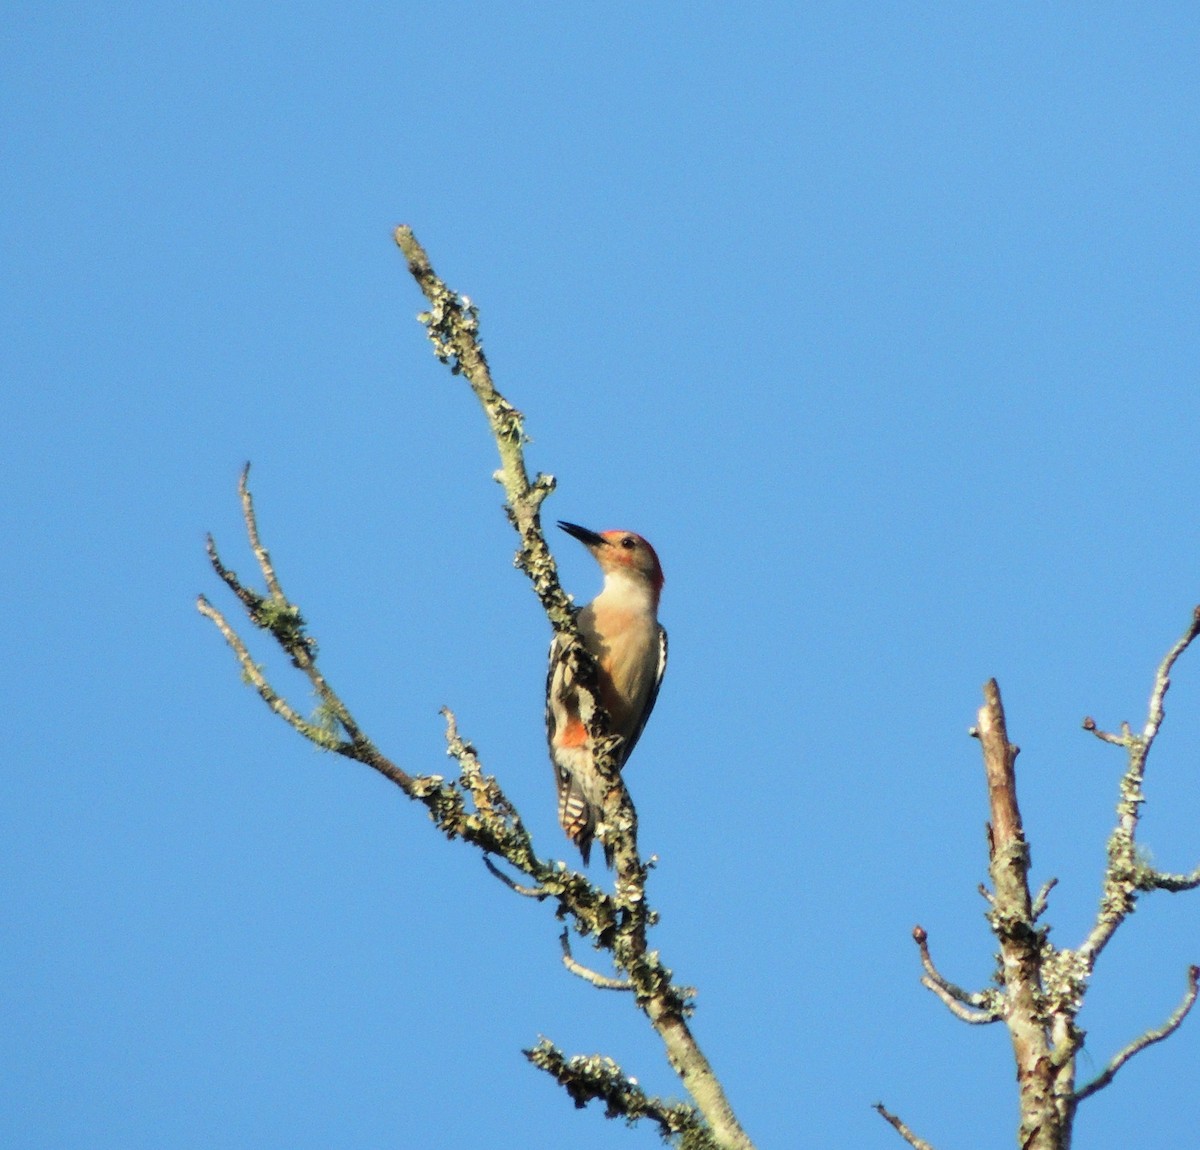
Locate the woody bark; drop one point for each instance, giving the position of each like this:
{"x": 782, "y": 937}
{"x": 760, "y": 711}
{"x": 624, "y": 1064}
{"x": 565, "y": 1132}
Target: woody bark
{"x": 1042, "y": 1121}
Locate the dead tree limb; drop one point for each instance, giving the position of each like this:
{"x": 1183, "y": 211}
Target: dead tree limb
{"x": 473, "y": 807}
{"x": 1040, "y": 987}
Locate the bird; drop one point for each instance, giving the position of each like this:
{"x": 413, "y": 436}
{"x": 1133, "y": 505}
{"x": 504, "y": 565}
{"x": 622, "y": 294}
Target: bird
{"x": 620, "y": 629}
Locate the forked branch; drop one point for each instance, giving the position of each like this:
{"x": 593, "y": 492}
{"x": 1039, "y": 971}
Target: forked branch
{"x": 975, "y": 1007}
{"x": 473, "y": 807}
{"x": 1041, "y": 987}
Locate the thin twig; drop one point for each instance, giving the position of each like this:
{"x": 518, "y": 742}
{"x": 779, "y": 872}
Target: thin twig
{"x": 286, "y": 625}
{"x": 1172, "y": 1024}
{"x": 966, "y": 997}
{"x": 602, "y": 981}
{"x": 1122, "y": 740}
{"x": 1162, "y": 680}
{"x": 962, "y": 1013}
{"x": 901, "y": 1128}
{"x": 527, "y": 891}
{"x": 254, "y": 676}
{"x": 1041, "y": 900}
{"x": 260, "y": 552}
{"x": 1125, "y": 875}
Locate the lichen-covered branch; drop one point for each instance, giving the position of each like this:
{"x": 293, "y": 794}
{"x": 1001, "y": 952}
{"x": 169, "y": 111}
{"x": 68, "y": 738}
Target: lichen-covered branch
{"x": 452, "y": 323}
{"x": 1151, "y": 879}
{"x": 1125, "y": 874}
{"x": 472, "y": 807}
{"x": 1041, "y": 987}
{"x": 593, "y": 1077}
{"x": 335, "y": 729}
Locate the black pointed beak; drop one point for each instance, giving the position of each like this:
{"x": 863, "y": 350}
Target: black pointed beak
{"x": 586, "y": 537}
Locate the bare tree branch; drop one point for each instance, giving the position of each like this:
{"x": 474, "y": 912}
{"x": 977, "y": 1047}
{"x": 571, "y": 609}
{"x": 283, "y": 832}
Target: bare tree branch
{"x": 1041, "y": 986}
{"x": 601, "y": 981}
{"x": 515, "y": 887}
{"x": 973, "y": 1007}
{"x": 452, "y": 325}
{"x": 962, "y": 1013}
{"x": 473, "y": 807}
{"x": 1125, "y": 874}
{"x": 899, "y": 1126}
{"x": 1162, "y": 680}
{"x": 1174, "y": 1021}
{"x": 253, "y": 675}
{"x": 1121, "y": 740}
{"x": 1021, "y": 942}
{"x": 275, "y": 614}
{"x": 1041, "y": 902}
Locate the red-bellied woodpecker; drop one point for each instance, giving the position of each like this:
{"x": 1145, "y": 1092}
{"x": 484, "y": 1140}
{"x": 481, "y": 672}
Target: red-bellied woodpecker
{"x": 620, "y": 628}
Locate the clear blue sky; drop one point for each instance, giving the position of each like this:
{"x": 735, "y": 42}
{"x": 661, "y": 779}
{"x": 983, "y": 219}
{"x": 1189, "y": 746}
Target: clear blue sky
{"x": 880, "y": 321}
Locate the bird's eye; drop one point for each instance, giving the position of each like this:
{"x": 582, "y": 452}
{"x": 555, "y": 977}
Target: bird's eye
{"x": 629, "y": 543}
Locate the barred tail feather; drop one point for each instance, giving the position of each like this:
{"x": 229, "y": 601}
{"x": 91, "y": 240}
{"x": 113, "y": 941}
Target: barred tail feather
{"x": 576, "y": 815}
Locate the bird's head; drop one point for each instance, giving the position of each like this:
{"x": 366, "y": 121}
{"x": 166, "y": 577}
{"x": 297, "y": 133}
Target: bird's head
{"x": 620, "y": 552}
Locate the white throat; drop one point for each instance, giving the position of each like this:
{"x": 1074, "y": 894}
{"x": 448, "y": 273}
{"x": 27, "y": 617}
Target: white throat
{"x": 627, "y": 591}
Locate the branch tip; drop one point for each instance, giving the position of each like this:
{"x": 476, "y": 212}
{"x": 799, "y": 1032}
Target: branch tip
{"x": 975, "y": 1008}
{"x": 900, "y": 1127}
